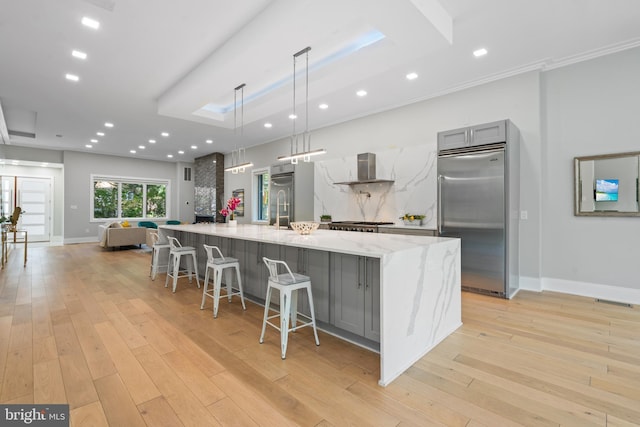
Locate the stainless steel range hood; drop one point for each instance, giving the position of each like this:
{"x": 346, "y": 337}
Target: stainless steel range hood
{"x": 366, "y": 171}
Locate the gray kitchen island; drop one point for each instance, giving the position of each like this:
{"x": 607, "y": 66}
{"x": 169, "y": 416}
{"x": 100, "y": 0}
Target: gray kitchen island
{"x": 396, "y": 294}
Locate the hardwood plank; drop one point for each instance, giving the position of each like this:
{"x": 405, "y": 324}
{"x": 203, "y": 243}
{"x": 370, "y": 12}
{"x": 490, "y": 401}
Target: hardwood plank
{"x": 205, "y": 390}
{"x": 255, "y": 405}
{"x": 158, "y": 413}
{"x": 229, "y": 414}
{"x": 78, "y": 384}
{"x": 96, "y": 354}
{"x": 185, "y": 404}
{"x": 91, "y": 415}
{"x": 48, "y": 386}
{"x": 119, "y": 408}
{"x": 18, "y": 377}
{"x": 133, "y": 375}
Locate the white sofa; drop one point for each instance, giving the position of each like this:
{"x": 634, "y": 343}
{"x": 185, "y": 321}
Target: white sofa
{"x": 112, "y": 235}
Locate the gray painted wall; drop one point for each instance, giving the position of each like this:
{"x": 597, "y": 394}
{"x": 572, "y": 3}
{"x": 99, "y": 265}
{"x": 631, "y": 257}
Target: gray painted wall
{"x": 591, "y": 108}
{"x": 78, "y": 168}
{"x": 516, "y": 98}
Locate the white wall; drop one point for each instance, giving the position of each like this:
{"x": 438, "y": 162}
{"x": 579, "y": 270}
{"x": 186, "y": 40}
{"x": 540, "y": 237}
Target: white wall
{"x": 591, "y": 108}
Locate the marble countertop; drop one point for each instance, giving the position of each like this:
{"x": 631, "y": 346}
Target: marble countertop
{"x": 364, "y": 244}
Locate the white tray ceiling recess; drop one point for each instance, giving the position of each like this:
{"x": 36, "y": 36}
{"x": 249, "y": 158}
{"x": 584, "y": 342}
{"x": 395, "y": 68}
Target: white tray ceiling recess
{"x": 163, "y": 66}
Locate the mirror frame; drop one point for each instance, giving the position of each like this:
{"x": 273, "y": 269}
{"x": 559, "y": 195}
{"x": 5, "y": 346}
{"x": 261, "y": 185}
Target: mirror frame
{"x": 577, "y": 189}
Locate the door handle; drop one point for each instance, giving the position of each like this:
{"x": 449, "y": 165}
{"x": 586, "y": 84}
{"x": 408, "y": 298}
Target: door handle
{"x": 440, "y": 177}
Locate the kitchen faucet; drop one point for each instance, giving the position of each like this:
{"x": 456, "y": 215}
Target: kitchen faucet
{"x": 284, "y": 205}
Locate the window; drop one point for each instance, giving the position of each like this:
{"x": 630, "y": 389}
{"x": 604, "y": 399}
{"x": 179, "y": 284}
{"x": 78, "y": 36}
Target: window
{"x": 261, "y": 195}
{"x": 128, "y": 198}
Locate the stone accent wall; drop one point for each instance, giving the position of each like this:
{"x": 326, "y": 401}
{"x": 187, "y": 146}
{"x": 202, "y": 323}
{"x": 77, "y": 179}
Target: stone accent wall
{"x": 209, "y": 186}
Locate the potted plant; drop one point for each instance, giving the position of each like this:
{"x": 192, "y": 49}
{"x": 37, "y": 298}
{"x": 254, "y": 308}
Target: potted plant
{"x": 325, "y": 218}
{"x": 412, "y": 219}
{"x": 229, "y": 211}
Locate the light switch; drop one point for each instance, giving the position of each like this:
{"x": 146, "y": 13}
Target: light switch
{"x": 524, "y": 215}
{"x": 74, "y": 206}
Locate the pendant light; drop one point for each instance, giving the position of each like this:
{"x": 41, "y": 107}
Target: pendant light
{"x": 306, "y": 151}
{"x": 238, "y": 161}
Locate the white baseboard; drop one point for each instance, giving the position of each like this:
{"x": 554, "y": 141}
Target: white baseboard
{"x": 585, "y": 289}
{"x": 530, "y": 284}
{"x": 593, "y": 290}
{"x": 72, "y": 240}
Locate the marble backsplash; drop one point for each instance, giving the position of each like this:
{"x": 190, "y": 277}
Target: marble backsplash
{"x": 414, "y": 191}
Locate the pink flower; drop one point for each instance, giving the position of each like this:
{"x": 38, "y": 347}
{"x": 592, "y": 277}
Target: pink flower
{"x": 224, "y": 212}
{"x": 233, "y": 203}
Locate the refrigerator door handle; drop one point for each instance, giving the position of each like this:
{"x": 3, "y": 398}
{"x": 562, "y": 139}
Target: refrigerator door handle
{"x": 440, "y": 178}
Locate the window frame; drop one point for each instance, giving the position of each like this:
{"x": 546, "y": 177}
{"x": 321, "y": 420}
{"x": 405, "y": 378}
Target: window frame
{"x": 255, "y": 195}
{"x": 129, "y": 180}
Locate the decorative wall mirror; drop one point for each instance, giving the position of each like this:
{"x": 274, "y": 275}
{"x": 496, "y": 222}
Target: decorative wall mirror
{"x": 607, "y": 185}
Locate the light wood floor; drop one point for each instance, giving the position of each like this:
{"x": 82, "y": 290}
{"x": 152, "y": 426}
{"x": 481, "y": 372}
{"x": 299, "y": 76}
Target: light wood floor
{"x": 87, "y": 327}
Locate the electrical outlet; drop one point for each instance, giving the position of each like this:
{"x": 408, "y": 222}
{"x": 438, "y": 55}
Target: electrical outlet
{"x": 524, "y": 215}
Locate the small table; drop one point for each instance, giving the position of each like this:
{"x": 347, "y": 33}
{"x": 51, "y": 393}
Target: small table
{"x": 5, "y": 248}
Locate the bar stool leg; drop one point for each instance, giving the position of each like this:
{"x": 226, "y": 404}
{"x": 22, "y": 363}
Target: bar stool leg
{"x": 176, "y": 271}
{"x": 293, "y": 312}
{"x": 313, "y": 315}
{"x": 285, "y": 309}
{"x": 240, "y": 286}
{"x": 267, "y": 303}
{"x": 169, "y": 268}
{"x": 216, "y": 292}
{"x": 228, "y": 278}
{"x": 195, "y": 268}
{"x": 206, "y": 286}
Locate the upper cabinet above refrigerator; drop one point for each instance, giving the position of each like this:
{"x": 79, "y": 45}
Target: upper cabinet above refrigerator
{"x": 487, "y": 133}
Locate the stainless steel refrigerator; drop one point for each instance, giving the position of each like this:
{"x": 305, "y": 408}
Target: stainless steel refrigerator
{"x": 478, "y": 202}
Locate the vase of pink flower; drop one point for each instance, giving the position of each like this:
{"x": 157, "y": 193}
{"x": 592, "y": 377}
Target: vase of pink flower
{"x": 229, "y": 211}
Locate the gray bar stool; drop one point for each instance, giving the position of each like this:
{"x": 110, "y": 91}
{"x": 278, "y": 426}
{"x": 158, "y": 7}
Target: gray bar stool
{"x": 176, "y": 250}
{"x": 288, "y": 284}
{"x": 218, "y": 265}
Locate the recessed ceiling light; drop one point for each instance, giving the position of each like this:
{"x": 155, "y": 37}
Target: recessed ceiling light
{"x": 323, "y": 106}
{"x": 152, "y": 141}
{"x": 109, "y": 125}
{"x": 293, "y": 116}
{"x": 132, "y": 151}
{"x": 480, "y": 52}
{"x": 72, "y": 77}
{"x": 170, "y": 156}
{"x": 194, "y": 147}
{"x": 94, "y": 141}
{"x": 165, "y": 134}
{"x": 91, "y": 23}
{"x": 78, "y": 54}
{"x": 180, "y": 152}
{"x": 209, "y": 141}
{"x": 142, "y": 147}
{"x": 268, "y": 125}
{"x": 44, "y": 165}
{"x": 100, "y": 133}
{"x": 88, "y": 145}
{"x": 412, "y": 76}
{"x": 361, "y": 93}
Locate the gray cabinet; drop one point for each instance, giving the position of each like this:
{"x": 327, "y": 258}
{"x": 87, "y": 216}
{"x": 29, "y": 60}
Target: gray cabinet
{"x": 487, "y": 133}
{"x": 314, "y": 264}
{"x": 355, "y": 295}
{"x": 256, "y": 274}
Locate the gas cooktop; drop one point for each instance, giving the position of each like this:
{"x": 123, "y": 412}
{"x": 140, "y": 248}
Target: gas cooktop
{"x": 367, "y": 226}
